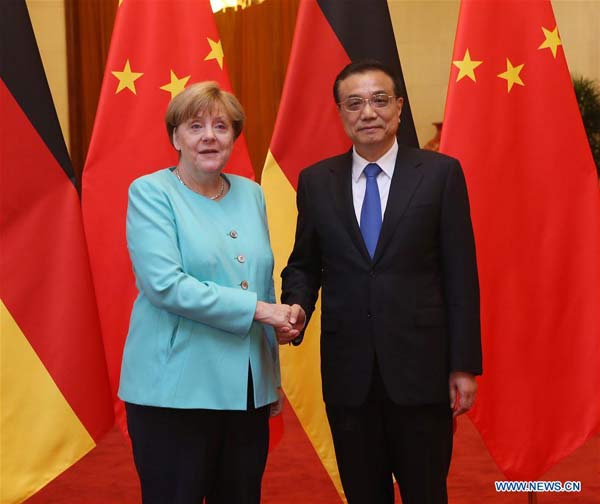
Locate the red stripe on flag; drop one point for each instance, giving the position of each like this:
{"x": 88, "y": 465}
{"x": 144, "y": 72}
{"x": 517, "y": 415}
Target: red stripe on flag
{"x": 46, "y": 283}
{"x": 316, "y": 59}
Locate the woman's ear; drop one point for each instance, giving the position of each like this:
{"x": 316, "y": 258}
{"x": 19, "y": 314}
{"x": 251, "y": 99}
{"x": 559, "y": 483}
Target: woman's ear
{"x": 175, "y": 140}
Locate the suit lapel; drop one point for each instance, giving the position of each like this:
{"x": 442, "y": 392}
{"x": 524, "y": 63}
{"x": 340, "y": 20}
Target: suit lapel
{"x": 405, "y": 181}
{"x": 342, "y": 180}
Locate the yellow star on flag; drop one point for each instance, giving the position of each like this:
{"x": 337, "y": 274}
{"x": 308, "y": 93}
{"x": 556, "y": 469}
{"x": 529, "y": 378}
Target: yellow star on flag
{"x": 552, "y": 40}
{"x": 176, "y": 85}
{"x": 466, "y": 67}
{"x": 512, "y": 74}
{"x": 127, "y": 78}
{"x": 216, "y": 52}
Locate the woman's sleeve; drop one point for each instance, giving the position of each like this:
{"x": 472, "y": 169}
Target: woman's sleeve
{"x": 154, "y": 251}
{"x": 272, "y": 299}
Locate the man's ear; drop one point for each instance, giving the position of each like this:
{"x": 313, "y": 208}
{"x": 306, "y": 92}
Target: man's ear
{"x": 400, "y": 102}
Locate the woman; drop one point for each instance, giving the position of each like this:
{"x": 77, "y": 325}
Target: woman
{"x": 200, "y": 372}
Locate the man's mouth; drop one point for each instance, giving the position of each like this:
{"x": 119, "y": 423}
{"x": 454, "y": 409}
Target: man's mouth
{"x": 369, "y": 128}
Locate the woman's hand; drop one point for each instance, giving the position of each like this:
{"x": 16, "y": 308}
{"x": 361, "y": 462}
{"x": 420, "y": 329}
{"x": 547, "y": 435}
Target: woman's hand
{"x": 277, "y": 406}
{"x": 276, "y": 315}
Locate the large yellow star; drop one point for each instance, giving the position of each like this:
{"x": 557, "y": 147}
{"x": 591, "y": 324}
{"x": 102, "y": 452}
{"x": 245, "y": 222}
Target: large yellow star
{"x": 512, "y": 74}
{"x": 216, "y": 52}
{"x": 127, "y": 78}
{"x": 552, "y": 40}
{"x": 466, "y": 67}
{"x": 176, "y": 85}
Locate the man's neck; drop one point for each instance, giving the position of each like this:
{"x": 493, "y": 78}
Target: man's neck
{"x": 374, "y": 153}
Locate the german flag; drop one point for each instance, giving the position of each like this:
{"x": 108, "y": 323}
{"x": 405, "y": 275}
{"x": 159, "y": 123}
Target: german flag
{"x": 329, "y": 35}
{"x": 54, "y": 386}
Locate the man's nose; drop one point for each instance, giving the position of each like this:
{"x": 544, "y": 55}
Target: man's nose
{"x": 368, "y": 110}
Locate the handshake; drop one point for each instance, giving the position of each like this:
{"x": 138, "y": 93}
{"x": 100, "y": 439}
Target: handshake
{"x": 288, "y": 321}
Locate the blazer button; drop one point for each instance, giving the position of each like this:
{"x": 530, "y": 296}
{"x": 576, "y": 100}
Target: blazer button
{"x": 233, "y": 233}
{"x": 244, "y": 284}
{"x": 241, "y": 258}
{"x": 369, "y": 315}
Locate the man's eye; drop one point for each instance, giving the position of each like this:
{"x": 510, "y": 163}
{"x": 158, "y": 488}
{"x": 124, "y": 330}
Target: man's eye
{"x": 354, "y": 103}
{"x": 380, "y": 100}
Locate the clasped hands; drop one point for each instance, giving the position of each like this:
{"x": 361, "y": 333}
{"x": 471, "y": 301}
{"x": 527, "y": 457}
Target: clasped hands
{"x": 287, "y": 320}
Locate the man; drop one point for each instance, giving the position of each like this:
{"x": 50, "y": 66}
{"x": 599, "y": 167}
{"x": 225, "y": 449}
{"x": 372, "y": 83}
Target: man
{"x": 385, "y": 231}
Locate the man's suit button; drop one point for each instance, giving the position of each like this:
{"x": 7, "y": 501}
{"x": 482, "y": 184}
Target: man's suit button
{"x": 371, "y": 273}
{"x": 369, "y": 315}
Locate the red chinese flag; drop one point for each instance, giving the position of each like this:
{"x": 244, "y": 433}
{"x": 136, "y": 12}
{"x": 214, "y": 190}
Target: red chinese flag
{"x": 158, "y": 47}
{"x": 513, "y": 121}
{"x": 55, "y": 398}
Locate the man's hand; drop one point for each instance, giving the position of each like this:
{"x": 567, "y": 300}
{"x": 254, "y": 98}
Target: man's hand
{"x": 289, "y": 332}
{"x": 463, "y": 388}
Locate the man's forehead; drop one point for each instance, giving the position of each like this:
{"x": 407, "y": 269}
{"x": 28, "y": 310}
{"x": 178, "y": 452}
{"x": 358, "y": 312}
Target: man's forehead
{"x": 369, "y": 81}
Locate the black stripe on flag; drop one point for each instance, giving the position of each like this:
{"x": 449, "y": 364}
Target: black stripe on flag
{"x": 22, "y": 71}
{"x": 364, "y": 28}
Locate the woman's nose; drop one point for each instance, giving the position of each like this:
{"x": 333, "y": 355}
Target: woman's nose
{"x": 208, "y": 134}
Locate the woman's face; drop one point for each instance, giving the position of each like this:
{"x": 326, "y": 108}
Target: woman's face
{"x": 205, "y": 142}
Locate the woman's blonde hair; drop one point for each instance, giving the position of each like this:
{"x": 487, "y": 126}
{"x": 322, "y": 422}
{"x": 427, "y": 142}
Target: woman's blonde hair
{"x": 204, "y": 97}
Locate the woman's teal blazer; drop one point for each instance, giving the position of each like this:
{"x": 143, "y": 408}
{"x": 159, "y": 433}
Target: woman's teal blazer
{"x": 200, "y": 267}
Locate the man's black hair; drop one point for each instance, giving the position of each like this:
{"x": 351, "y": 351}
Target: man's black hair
{"x": 363, "y": 66}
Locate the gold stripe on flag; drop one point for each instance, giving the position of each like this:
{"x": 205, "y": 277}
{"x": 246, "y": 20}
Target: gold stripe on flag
{"x": 41, "y": 435}
{"x": 300, "y": 366}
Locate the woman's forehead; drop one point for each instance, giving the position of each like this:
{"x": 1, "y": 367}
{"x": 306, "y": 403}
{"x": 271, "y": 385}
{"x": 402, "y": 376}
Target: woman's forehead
{"x": 211, "y": 112}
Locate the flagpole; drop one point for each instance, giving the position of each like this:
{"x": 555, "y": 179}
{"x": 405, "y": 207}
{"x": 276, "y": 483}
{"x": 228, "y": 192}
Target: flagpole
{"x": 531, "y": 498}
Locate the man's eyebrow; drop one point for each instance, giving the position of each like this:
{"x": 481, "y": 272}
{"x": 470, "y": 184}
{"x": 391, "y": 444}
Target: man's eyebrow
{"x": 378, "y": 91}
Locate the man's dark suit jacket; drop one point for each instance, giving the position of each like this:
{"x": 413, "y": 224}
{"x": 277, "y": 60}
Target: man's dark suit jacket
{"x": 415, "y": 306}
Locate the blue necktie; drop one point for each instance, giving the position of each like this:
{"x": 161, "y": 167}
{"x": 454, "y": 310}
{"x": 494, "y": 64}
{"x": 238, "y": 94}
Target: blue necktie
{"x": 370, "y": 214}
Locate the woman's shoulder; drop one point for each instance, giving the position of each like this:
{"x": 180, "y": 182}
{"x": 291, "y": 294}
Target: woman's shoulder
{"x": 244, "y": 186}
{"x": 158, "y": 178}
{"x": 243, "y": 182}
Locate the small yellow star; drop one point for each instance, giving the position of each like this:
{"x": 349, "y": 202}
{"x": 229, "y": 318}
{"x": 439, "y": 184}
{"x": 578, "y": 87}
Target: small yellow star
{"x": 466, "y": 67}
{"x": 216, "y": 52}
{"x": 120, "y": 2}
{"x": 176, "y": 85}
{"x": 127, "y": 78}
{"x": 512, "y": 74}
{"x": 552, "y": 40}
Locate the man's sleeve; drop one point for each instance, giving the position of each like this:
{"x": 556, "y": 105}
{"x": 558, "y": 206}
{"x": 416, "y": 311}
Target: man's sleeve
{"x": 461, "y": 281}
{"x": 302, "y": 275}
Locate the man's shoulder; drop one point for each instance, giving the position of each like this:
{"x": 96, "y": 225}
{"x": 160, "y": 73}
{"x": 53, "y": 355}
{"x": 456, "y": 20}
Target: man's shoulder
{"x": 426, "y": 156}
{"x": 325, "y": 165}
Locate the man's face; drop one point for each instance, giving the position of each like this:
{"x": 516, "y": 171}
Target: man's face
{"x": 371, "y": 129}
